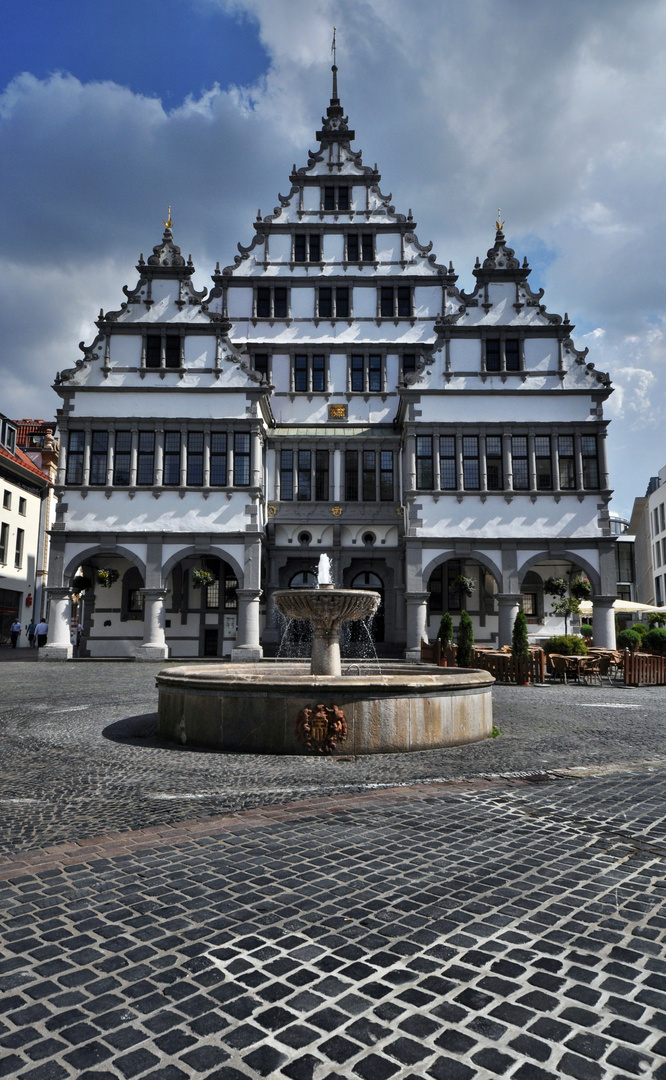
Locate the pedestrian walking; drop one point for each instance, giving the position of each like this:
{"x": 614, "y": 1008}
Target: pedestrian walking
{"x": 15, "y": 632}
{"x": 41, "y": 630}
{"x": 31, "y": 631}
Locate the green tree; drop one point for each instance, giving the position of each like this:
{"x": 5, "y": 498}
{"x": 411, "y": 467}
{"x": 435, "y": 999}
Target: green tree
{"x": 520, "y": 641}
{"x": 445, "y": 632}
{"x": 563, "y": 605}
{"x": 465, "y": 641}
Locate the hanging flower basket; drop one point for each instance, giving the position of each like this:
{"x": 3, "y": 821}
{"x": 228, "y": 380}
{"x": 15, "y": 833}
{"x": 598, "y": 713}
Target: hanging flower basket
{"x": 202, "y": 577}
{"x": 581, "y": 588}
{"x": 555, "y": 586}
{"x": 463, "y": 584}
{"x": 107, "y": 577}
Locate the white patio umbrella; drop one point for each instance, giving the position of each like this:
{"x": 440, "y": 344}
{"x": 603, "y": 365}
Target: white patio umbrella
{"x": 626, "y": 606}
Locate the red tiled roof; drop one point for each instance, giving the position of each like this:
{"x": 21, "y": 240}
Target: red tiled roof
{"x": 19, "y": 458}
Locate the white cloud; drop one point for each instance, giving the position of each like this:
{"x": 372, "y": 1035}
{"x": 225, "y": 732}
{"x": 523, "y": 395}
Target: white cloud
{"x": 553, "y": 112}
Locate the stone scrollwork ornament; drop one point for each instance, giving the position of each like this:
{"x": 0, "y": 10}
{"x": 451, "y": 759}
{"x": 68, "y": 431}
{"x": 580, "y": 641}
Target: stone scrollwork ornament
{"x": 321, "y": 728}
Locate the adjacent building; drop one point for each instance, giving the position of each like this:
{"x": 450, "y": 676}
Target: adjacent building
{"x": 24, "y": 501}
{"x": 336, "y": 391}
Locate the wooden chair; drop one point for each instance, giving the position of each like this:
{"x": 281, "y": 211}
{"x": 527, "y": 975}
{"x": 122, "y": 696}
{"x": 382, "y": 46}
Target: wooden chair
{"x": 560, "y": 666}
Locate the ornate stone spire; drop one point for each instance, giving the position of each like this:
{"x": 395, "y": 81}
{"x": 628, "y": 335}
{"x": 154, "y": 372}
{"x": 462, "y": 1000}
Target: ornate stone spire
{"x": 166, "y": 259}
{"x": 334, "y": 124}
{"x": 501, "y": 263}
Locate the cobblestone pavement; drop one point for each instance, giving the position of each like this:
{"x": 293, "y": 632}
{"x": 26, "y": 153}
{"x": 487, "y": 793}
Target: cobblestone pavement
{"x": 401, "y": 916}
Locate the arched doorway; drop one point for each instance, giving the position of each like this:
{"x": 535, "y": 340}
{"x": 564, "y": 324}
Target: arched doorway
{"x": 202, "y": 608}
{"x": 464, "y": 585}
{"x": 369, "y": 580}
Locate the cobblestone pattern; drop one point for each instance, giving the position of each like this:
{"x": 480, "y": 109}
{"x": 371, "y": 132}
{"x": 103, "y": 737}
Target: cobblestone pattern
{"x": 508, "y": 931}
{"x": 81, "y": 759}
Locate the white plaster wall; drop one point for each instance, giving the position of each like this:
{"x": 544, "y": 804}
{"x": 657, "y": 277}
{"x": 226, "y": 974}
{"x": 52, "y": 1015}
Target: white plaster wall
{"x": 507, "y": 406}
{"x": 333, "y": 247}
{"x": 541, "y": 354}
{"x": 125, "y": 350}
{"x": 167, "y": 514}
{"x": 280, "y": 247}
{"x": 144, "y": 404}
{"x": 519, "y": 518}
{"x": 427, "y": 301}
{"x": 240, "y": 301}
{"x": 465, "y": 354}
{"x": 200, "y": 351}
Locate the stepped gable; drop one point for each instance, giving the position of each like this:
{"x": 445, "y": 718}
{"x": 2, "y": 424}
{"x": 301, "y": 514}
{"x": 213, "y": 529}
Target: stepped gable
{"x": 333, "y": 160}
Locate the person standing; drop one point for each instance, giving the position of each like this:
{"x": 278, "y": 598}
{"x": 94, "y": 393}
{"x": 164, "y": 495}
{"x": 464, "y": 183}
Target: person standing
{"x": 41, "y": 630}
{"x": 15, "y": 632}
{"x": 31, "y": 630}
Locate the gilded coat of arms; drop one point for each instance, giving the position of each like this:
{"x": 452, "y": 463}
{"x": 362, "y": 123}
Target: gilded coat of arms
{"x": 321, "y": 728}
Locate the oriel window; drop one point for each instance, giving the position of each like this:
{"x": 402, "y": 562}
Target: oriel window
{"x": 544, "y": 471}
{"x": 322, "y": 476}
{"x": 588, "y": 446}
{"x": 369, "y": 476}
{"x": 447, "y": 463}
{"x": 565, "y": 445}
{"x": 122, "y": 459}
{"x": 521, "y": 480}
{"x": 351, "y": 475}
{"x": 195, "y": 450}
{"x": 98, "y": 457}
{"x": 218, "y": 459}
{"x": 145, "y": 462}
{"x": 241, "y": 459}
{"x": 286, "y": 475}
{"x": 494, "y": 471}
{"x": 424, "y": 470}
{"x": 304, "y": 475}
{"x": 470, "y": 463}
{"x": 75, "y": 457}
{"x": 171, "y": 459}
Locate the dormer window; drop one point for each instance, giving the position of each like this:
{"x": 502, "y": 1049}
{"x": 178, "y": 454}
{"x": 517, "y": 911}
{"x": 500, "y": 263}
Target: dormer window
{"x": 360, "y": 247}
{"x": 309, "y": 374}
{"x": 271, "y": 302}
{"x": 336, "y": 197}
{"x": 8, "y": 436}
{"x": 307, "y": 247}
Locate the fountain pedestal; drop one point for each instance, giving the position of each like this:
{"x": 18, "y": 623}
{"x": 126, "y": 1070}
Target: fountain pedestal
{"x": 326, "y": 609}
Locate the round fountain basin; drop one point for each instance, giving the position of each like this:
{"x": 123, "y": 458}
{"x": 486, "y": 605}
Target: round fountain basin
{"x": 259, "y": 708}
{"x": 326, "y": 604}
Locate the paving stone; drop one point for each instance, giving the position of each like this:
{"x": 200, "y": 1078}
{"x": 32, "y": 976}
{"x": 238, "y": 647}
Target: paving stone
{"x": 527, "y": 1046}
{"x": 374, "y": 1067}
{"x": 493, "y": 1060}
{"x": 446, "y": 1068}
{"x": 265, "y": 1060}
{"x": 135, "y": 1063}
{"x": 580, "y": 1068}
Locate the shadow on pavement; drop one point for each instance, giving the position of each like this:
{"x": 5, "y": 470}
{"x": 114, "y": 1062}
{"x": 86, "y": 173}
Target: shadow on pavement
{"x": 141, "y": 730}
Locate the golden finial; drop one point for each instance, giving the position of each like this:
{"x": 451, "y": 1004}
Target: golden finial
{"x": 168, "y": 223}
{"x": 499, "y": 224}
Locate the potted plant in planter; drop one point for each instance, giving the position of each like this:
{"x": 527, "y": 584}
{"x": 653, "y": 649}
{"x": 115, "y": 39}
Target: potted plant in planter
{"x": 520, "y": 649}
{"x": 107, "y": 576}
{"x": 201, "y": 578}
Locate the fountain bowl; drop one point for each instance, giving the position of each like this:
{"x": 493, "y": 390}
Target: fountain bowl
{"x": 278, "y": 707}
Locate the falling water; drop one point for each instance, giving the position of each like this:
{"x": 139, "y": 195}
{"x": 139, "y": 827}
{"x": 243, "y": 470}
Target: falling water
{"x": 324, "y": 571}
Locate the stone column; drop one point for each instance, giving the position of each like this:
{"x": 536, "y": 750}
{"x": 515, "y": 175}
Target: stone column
{"x": 154, "y": 646}
{"x": 603, "y": 617}
{"x": 59, "y": 645}
{"x": 248, "y": 647}
{"x": 417, "y": 623}
{"x": 509, "y": 606}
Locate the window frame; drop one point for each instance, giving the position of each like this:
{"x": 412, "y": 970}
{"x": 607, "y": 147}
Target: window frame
{"x": 331, "y": 203}
{"x": 311, "y": 365}
{"x": 497, "y": 345}
{"x": 75, "y": 455}
{"x": 395, "y": 301}
{"x": 307, "y": 236}
{"x": 273, "y": 300}
{"x": 170, "y": 355}
{"x": 366, "y": 364}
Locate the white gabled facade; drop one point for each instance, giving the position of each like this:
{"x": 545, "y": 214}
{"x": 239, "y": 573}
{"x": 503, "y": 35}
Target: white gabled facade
{"x": 336, "y": 391}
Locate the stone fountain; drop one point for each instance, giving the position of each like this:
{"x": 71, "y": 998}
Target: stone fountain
{"x": 278, "y": 707}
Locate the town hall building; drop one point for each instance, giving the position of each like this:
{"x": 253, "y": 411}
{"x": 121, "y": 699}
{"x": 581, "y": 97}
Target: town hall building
{"x": 336, "y": 391}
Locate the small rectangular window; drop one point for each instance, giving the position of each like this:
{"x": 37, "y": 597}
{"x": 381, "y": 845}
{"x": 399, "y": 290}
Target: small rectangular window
{"x": 315, "y": 247}
{"x": 98, "y": 457}
{"x": 404, "y": 301}
{"x": 145, "y": 459}
{"x": 588, "y": 446}
{"x": 343, "y": 198}
{"x": 18, "y": 552}
{"x": 321, "y": 476}
{"x": 470, "y": 463}
{"x": 544, "y": 472}
{"x": 493, "y": 354}
{"x": 7, "y": 500}
{"x": 408, "y": 364}
{"x": 4, "y": 542}
{"x": 172, "y": 351}
{"x": 299, "y": 247}
{"x": 325, "y": 310}
{"x": 424, "y": 470}
{"x": 329, "y": 198}
{"x": 218, "y": 459}
{"x": 494, "y": 472}
{"x": 369, "y": 476}
{"x": 567, "y": 465}
{"x": 121, "y": 458}
{"x": 318, "y": 374}
{"x": 75, "y": 457}
{"x": 22, "y": 507}
{"x": 386, "y": 476}
{"x": 367, "y": 247}
{"x": 286, "y": 475}
{"x": 357, "y": 374}
{"x": 352, "y": 247}
{"x": 447, "y": 463}
{"x": 512, "y": 354}
{"x": 153, "y": 350}
{"x": 280, "y": 302}
{"x": 374, "y": 374}
{"x": 263, "y": 303}
{"x": 171, "y": 458}
{"x": 195, "y": 448}
{"x": 300, "y": 373}
{"x": 261, "y": 364}
{"x": 521, "y": 479}
{"x": 342, "y": 302}
{"x": 304, "y": 476}
{"x": 386, "y": 302}
{"x": 351, "y": 476}
{"x": 241, "y": 459}
{"x": 662, "y": 515}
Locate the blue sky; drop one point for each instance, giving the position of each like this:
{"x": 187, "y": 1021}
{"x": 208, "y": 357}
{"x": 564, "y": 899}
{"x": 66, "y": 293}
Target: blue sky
{"x": 110, "y": 110}
{"x": 161, "y": 48}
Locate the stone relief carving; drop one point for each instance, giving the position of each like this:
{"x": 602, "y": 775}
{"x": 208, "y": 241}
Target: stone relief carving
{"x": 321, "y": 728}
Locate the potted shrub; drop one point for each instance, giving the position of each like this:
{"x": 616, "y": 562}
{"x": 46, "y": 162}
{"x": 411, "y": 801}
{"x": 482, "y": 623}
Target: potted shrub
{"x": 445, "y": 632}
{"x": 655, "y": 640}
{"x": 586, "y": 632}
{"x": 201, "y": 578}
{"x": 465, "y": 641}
{"x": 520, "y": 649}
{"x": 629, "y": 639}
{"x": 106, "y": 577}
